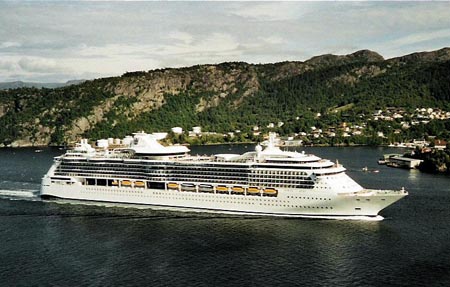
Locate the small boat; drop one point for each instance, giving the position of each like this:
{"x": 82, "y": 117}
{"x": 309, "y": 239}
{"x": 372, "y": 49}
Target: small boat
{"x": 37, "y": 150}
{"x": 222, "y": 189}
{"x": 139, "y": 184}
{"x": 115, "y": 183}
{"x": 237, "y": 189}
{"x": 205, "y": 188}
{"x": 187, "y": 187}
{"x": 126, "y": 183}
{"x": 365, "y": 169}
{"x": 270, "y": 192}
{"x": 253, "y": 190}
{"x": 172, "y": 185}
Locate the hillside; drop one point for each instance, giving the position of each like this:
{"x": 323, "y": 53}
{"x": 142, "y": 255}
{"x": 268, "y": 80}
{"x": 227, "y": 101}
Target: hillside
{"x": 226, "y": 97}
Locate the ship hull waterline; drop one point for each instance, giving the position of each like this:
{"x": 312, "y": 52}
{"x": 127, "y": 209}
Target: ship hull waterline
{"x": 337, "y": 207}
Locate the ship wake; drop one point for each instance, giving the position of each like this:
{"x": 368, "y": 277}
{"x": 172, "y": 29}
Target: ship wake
{"x": 19, "y": 194}
{"x": 333, "y": 217}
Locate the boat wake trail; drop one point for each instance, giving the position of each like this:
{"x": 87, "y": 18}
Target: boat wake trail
{"x": 358, "y": 218}
{"x": 19, "y": 194}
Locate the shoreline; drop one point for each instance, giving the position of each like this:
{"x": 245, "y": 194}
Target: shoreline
{"x": 213, "y": 144}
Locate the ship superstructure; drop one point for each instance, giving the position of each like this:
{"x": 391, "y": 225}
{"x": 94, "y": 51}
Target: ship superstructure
{"x": 266, "y": 181}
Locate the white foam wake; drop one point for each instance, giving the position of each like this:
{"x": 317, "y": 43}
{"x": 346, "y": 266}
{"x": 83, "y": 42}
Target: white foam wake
{"x": 19, "y": 193}
{"x": 333, "y": 217}
{"x": 354, "y": 217}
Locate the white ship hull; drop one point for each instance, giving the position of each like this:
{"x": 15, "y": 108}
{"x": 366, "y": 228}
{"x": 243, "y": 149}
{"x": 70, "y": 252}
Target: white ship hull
{"x": 288, "y": 202}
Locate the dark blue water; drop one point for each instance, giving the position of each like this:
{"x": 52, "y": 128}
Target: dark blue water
{"x": 50, "y": 244}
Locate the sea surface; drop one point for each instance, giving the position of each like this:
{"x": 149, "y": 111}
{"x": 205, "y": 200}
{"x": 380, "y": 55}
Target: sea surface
{"x": 73, "y": 244}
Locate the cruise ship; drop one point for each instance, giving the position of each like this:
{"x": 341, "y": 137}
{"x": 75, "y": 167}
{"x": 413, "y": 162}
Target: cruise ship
{"x": 266, "y": 181}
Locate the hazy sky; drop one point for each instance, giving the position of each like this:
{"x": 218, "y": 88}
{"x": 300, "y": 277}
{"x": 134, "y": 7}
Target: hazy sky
{"x": 54, "y": 41}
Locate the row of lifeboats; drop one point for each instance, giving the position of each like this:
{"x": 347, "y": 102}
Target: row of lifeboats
{"x": 253, "y": 190}
{"x": 128, "y": 183}
{"x": 208, "y": 188}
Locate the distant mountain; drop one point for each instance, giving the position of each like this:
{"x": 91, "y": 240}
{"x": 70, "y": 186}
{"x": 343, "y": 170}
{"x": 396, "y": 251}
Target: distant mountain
{"x": 228, "y": 97}
{"x": 20, "y": 84}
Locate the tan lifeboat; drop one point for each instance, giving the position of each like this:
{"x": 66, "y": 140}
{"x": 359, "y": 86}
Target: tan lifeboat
{"x": 270, "y": 191}
{"x": 139, "y": 184}
{"x": 172, "y": 185}
{"x": 126, "y": 183}
{"x": 222, "y": 189}
{"x": 253, "y": 190}
{"x": 237, "y": 189}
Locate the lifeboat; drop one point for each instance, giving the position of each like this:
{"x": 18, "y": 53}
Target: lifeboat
{"x": 126, "y": 183}
{"x": 187, "y": 187}
{"x": 139, "y": 184}
{"x": 205, "y": 188}
{"x": 237, "y": 189}
{"x": 270, "y": 192}
{"x": 253, "y": 190}
{"x": 222, "y": 189}
{"x": 115, "y": 183}
{"x": 172, "y": 185}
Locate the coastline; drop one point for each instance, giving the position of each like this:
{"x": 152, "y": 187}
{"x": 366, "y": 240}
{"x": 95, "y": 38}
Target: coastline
{"x": 215, "y": 143}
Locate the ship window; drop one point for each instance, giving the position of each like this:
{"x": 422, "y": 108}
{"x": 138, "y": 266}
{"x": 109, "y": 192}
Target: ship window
{"x": 101, "y": 182}
{"x": 357, "y": 208}
{"x": 90, "y": 181}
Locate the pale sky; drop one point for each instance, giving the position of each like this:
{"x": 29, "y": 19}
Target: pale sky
{"x": 60, "y": 41}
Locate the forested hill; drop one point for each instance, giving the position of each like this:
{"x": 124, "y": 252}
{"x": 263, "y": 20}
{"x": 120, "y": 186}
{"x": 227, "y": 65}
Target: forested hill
{"x": 226, "y": 97}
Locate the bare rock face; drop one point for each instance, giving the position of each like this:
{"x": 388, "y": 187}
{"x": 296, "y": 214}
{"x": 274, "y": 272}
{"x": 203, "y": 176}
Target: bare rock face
{"x": 79, "y": 126}
{"x": 370, "y": 71}
{"x": 83, "y": 124}
{"x": 25, "y": 142}
{"x": 149, "y": 90}
{"x": 355, "y": 75}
